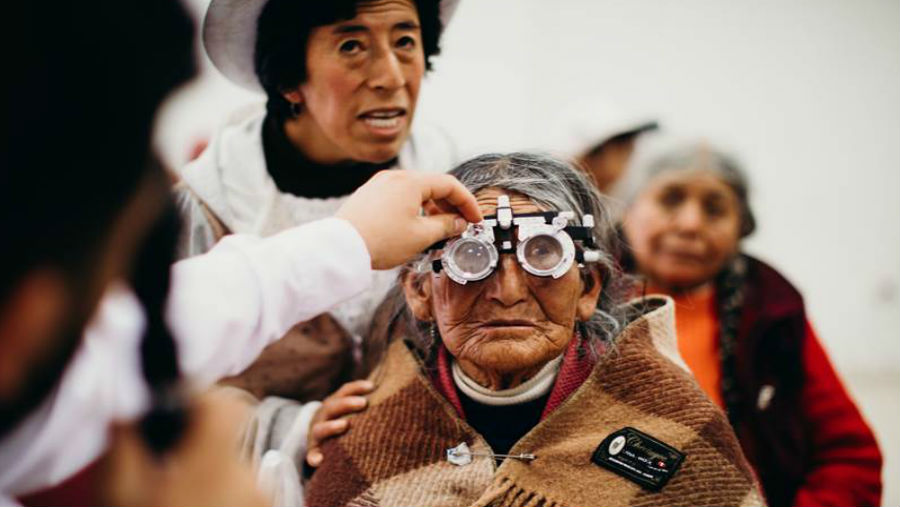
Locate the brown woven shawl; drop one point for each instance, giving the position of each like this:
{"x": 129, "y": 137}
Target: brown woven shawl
{"x": 395, "y": 452}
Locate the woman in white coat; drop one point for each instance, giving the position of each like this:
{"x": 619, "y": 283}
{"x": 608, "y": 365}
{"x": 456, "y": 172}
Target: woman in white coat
{"x": 342, "y": 80}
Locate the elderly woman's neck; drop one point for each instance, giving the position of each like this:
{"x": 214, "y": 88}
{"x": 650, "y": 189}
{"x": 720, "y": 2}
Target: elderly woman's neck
{"x": 496, "y": 380}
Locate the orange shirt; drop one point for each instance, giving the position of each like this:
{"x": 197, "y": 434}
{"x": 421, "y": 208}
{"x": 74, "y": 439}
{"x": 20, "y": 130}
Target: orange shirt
{"x": 697, "y": 328}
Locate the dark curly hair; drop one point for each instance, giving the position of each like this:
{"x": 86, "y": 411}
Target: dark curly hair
{"x": 283, "y": 31}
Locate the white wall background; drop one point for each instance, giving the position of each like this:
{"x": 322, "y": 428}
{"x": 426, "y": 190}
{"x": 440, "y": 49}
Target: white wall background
{"x": 806, "y": 92}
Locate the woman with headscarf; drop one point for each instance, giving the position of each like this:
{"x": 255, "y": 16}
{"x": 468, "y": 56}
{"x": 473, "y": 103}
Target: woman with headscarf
{"x": 342, "y": 80}
{"x": 744, "y": 332}
{"x": 521, "y": 379}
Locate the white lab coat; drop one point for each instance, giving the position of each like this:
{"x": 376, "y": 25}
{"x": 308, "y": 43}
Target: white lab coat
{"x": 224, "y": 308}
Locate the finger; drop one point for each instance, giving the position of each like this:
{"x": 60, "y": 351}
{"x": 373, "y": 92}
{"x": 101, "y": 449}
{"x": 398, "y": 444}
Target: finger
{"x": 328, "y": 429}
{"x": 437, "y": 227}
{"x": 447, "y": 189}
{"x": 355, "y": 388}
{"x": 339, "y": 407}
{"x": 439, "y": 207}
{"x": 431, "y": 208}
{"x": 314, "y": 457}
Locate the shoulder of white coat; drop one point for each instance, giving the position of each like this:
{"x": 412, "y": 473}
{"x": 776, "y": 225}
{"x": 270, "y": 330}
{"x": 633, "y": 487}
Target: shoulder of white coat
{"x": 429, "y": 148}
{"x": 234, "y": 152}
{"x": 197, "y": 235}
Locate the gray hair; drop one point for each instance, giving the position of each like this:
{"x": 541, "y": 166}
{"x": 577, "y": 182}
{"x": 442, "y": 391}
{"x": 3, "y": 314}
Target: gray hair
{"x": 697, "y": 155}
{"x": 556, "y": 186}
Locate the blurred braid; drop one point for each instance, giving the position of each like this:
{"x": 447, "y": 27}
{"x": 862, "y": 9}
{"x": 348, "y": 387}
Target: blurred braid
{"x": 164, "y": 423}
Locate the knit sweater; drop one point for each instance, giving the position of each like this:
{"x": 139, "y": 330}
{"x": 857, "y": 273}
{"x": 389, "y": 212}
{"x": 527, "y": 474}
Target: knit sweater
{"x": 395, "y": 453}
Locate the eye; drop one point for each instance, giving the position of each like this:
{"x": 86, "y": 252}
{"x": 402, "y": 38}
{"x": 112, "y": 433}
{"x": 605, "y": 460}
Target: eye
{"x": 543, "y": 252}
{"x": 471, "y": 256}
{"x": 406, "y": 42}
{"x": 715, "y": 208}
{"x": 719, "y": 205}
{"x": 671, "y": 197}
{"x": 350, "y": 47}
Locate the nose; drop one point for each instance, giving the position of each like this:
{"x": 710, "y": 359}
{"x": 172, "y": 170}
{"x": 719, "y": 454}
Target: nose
{"x": 689, "y": 217}
{"x": 385, "y": 71}
{"x": 508, "y": 285}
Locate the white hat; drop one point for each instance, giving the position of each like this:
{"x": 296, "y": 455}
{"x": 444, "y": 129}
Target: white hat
{"x": 229, "y": 36}
{"x": 591, "y": 121}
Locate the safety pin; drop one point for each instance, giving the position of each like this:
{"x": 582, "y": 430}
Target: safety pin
{"x": 462, "y": 455}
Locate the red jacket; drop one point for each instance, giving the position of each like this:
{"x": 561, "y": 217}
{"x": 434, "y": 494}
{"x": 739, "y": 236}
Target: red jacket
{"x": 808, "y": 442}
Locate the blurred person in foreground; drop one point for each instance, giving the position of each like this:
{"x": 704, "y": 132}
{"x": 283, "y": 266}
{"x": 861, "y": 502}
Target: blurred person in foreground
{"x": 96, "y": 325}
{"x": 600, "y": 136}
{"x": 516, "y": 376}
{"x": 341, "y": 80}
{"x": 743, "y": 329}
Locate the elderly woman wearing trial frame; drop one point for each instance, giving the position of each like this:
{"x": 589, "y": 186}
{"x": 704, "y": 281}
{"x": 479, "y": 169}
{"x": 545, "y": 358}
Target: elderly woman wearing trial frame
{"x": 522, "y": 380}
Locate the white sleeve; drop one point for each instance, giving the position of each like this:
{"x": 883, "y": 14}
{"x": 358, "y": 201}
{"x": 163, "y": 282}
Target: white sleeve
{"x": 225, "y": 306}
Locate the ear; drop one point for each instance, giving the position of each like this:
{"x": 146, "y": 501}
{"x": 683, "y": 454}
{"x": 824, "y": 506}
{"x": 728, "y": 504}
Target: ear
{"x": 30, "y": 317}
{"x": 592, "y": 284}
{"x": 293, "y": 96}
{"x": 417, "y": 289}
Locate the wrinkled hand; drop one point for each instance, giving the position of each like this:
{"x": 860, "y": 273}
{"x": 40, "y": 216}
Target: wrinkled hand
{"x": 385, "y": 211}
{"x": 203, "y": 469}
{"x": 328, "y": 422}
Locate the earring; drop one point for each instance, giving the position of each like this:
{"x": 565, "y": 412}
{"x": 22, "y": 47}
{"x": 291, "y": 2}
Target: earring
{"x": 433, "y": 330}
{"x": 582, "y": 337}
{"x": 434, "y": 344}
{"x": 296, "y": 108}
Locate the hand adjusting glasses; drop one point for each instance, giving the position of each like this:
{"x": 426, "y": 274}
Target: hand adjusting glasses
{"x": 545, "y": 246}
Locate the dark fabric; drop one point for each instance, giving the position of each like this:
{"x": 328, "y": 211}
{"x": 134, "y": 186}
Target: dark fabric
{"x": 295, "y": 174}
{"x": 784, "y": 439}
{"x": 730, "y": 291}
{"x": 312, "y": 360}
{"x": 502, "y": 426}
{"x": 768, "y": 352}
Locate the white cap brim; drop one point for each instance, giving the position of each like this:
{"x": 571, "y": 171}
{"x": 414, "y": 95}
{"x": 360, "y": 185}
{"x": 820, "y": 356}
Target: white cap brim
{"x": 589, "y": 121}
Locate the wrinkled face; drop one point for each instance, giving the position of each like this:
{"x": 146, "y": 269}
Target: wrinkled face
{"x": 511, "y": 321}
{"x": 683, "y": 227}
{"x": 363, "y": 82}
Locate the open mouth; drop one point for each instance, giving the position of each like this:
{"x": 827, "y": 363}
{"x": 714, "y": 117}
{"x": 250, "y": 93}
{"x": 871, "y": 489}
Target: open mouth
{"x": 386, "y": 118}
